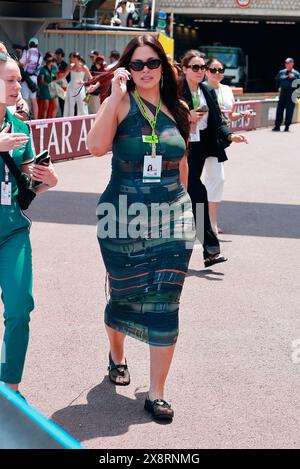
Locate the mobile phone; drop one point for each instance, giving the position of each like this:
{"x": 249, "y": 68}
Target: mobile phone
{"x": 203, "y": 108}
{"x": 42, "y": 158}
{"x": 249, "y": 111}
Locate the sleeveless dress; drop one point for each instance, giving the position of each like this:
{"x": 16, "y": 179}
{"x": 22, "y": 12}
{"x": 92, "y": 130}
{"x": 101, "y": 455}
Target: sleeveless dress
{"x": 145, "y": 270}
{"x": 75, "y": 95}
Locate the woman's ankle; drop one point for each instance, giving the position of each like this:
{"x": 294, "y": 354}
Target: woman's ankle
{"x": 155, "y": 394}
{"x": 118, "y": 358}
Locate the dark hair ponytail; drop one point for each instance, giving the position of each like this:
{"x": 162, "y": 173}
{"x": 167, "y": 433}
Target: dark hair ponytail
{"x": 214, "y": 59}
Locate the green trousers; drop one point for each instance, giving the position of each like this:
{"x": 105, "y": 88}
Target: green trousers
{"x": 16, "y": 286}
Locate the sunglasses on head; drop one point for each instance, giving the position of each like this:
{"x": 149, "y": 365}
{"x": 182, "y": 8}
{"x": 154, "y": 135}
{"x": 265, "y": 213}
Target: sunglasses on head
{"x": 197, "y": 67}
{"x": 138, "y": 65}
{"x": 215, "y": 70}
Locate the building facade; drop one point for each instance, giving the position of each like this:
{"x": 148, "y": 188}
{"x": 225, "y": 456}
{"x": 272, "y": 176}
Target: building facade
{"x": 257, "y": 8}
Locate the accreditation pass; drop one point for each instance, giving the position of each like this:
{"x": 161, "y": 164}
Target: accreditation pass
{"x": 152, "y": 168}
{"x": 5, "y": 193}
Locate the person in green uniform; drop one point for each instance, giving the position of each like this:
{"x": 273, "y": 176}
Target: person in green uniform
{"x": 15, "y": 248}
{"x": 46, "y": 76}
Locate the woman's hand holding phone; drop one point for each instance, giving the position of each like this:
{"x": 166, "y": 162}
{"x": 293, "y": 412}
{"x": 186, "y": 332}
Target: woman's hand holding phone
{"x": 42, "y": 171}
{"x": 197, "y": 115}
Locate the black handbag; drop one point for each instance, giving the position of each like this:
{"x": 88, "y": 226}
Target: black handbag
{"x": 26, "y": 77}
{"x": 25, "y": 193}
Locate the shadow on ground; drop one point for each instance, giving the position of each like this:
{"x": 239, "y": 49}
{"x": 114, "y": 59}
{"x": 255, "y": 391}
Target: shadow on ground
{"x": 208, "y": 274}
{"x": 238, "y": 218}
{"x": 70, "y": 208}
{"x": 105, "y": 414}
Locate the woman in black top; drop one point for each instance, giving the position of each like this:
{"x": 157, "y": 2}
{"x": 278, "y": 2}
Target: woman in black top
{"x": 209, "y": 137}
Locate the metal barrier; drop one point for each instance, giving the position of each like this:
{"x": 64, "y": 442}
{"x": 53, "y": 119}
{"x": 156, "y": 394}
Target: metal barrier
{"x": 23, "y": 427}
{"x": 247, "y": 123}
{"x": 66, "y": 137}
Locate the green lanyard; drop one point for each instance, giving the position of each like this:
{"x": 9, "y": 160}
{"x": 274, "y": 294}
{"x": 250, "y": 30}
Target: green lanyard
{"x": 196, "y": 99}
{"x": 153, "y": 139}
{"x": 220, "y": 96}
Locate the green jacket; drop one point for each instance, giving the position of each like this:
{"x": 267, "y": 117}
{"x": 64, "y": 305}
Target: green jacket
{"x": 12, "y": 219}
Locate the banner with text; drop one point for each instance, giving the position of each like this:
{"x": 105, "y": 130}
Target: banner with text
{"x": 64, "y": 137}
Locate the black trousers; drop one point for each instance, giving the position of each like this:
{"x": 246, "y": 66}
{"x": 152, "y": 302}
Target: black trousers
{"x": 285, "y": 103}
{"x": 198, "y": 195}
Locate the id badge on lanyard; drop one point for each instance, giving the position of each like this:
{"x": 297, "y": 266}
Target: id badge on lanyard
{"x": 152, "y": 168}
{"x": 6, "y": 187}
{"x": 152, "y": 163}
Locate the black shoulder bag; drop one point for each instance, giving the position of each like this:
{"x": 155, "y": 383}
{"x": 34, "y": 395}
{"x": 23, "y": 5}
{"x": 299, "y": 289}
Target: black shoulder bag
{"x": 25, "y": 193}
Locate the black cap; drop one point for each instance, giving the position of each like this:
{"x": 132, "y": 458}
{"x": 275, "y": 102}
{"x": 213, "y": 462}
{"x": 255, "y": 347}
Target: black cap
{"x": 60, "y": 51}
{"x": 94, "y": 52}
{"x": 49, "y": 57}
{"x": 115, "y": 53}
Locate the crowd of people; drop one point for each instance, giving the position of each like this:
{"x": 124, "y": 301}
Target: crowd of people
{"x": 127, "y": 14}
{"x": 53, "y": 87}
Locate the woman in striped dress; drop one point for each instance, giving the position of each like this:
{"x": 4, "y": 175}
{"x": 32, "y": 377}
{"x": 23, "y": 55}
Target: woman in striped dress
{"x": 146, "y": 255}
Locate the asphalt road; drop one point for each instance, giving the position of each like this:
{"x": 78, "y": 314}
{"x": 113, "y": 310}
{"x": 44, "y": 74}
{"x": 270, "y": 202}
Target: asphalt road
{"x": 235, "y": 378}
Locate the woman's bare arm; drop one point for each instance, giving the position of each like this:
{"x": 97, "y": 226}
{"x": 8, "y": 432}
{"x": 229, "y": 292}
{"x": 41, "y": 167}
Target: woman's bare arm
{"x": 184, "y": 171}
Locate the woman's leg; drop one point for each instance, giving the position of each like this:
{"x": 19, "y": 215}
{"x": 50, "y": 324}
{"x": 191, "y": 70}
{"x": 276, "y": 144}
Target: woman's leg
{"x": 15, "y": 276}
{"x": 213, "y": 179}
{"x": 213, "y": 215}
{"x": 118, "y": 372}
{"x": 54, "y": 107}
{"x": 116, "y": 343}
{"x": 198, "y": 194}
{"x": 35, "y": 108}
{"x": 160, "y": 362}
{"x": 45, "y": 108}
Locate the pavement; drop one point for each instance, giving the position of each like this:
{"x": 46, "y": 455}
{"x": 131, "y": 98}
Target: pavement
{"x": 235, "y": 378}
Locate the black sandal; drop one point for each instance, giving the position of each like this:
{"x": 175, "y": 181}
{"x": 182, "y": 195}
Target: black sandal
{"x": 209, "y": 261}
{"x": 118, "y": 374}
{"x": 160, "y": 409}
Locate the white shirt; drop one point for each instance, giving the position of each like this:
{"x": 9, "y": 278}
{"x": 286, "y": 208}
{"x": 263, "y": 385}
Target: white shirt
{"x": 203, "y": 123}
{"x": 225, "y": 96}
{"x": 31, "y": 59}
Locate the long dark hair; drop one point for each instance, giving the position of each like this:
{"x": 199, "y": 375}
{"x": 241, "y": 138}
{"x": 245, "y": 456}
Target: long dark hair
{"x": 214, "y": 59}
{"x": 169, "y": 89}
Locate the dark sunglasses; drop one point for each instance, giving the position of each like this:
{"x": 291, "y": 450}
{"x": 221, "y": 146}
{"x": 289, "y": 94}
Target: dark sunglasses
{"x": 138, "y": 65}
{"x": 197, "y": 67}
{"x": 215, "y": 70}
